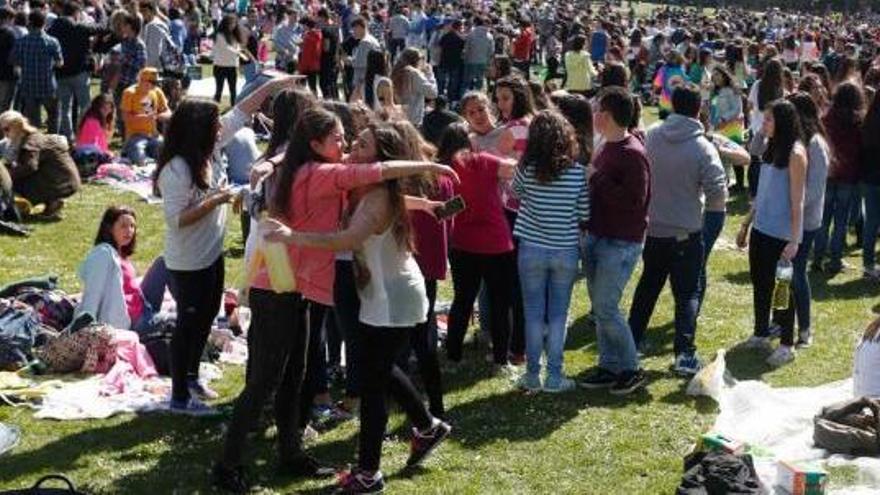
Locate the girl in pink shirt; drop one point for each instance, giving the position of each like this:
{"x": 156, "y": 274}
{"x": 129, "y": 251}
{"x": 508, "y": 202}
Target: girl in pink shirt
{"x": 308, "y": 196}
{"x": 96, "y": 126}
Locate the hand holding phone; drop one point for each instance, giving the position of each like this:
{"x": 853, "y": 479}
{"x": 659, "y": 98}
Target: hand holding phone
{"x": 450, "y": 208}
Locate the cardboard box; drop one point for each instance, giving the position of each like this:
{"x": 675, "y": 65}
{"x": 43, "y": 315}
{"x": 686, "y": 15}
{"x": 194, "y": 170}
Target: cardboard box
{"x": 801, "y": 478}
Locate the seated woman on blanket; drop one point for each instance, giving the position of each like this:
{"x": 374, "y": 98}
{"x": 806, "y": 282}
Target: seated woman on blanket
{"x": 112, "y": 293}
{"x": 96, "y": 130}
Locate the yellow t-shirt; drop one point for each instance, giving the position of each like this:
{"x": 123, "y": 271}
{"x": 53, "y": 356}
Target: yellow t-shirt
{"x": 136, "y": 101}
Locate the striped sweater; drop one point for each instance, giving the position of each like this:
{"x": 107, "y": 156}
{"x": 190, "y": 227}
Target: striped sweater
{"x": 550, "y": 214}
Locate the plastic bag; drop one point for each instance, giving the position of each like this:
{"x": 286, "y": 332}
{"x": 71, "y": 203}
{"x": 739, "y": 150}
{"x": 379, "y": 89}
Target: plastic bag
{"x": 274, "y": 256}
{"x": 711, "y": 379}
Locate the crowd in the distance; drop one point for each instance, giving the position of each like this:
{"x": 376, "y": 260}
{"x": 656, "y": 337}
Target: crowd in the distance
{"x": 505, "y": 144}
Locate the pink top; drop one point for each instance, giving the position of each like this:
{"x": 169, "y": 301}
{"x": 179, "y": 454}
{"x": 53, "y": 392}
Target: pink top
{"x": 131, "y": 289}
{"x": 520, "y": 130}
{"x": 481, "y": 227}
{"x": 91, "y": 133}
{"x": 316, "y": 202}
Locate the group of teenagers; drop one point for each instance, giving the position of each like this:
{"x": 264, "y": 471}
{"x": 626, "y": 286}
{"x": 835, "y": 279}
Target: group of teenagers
{"x": 554, "y": 183}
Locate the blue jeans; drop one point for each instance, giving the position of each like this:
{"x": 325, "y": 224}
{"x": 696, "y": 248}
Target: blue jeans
{"x": 713, "y": 224}
{"x": 250, "y": 71}
{"x": 872, "y": 224}
{"x": 610, "y": 263}
{"x": 546, "y": 278}
{"x": 800, "y": 283}
{"x": 153, "y": 285}
{"x": 139, "y": 147}
{"x": 838, "y": 203}
{"x": 474, "y": 76}
{"x": 70, "y": 89}
{"x": 681, "y": 261}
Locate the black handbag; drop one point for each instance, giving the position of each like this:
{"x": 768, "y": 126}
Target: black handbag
{"x": 38, "y": 489}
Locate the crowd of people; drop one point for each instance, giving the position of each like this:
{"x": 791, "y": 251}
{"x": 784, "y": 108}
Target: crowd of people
{"x": 505, "y": 144}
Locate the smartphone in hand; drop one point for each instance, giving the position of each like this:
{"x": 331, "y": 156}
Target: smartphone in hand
{"x": 450, "y": 208}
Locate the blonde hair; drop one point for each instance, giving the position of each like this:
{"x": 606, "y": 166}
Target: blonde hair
{"x": 11, "y": 118}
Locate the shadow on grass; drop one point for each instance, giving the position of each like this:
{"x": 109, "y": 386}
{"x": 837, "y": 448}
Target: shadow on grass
{"x": 747, "y": 364}
{"x": 824, "y": 288}
{"x": 702, "y": 404}
{"x": 738, "y": 278}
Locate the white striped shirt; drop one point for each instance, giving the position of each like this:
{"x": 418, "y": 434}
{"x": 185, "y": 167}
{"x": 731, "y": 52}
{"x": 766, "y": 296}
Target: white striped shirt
{"x": 550, "y": 213}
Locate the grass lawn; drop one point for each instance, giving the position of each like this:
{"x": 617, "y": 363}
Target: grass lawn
{"x": 504, "y": 441}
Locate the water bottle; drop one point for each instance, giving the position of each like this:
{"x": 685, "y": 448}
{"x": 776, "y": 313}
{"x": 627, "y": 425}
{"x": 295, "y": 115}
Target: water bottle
{"x": 784, "y": 272}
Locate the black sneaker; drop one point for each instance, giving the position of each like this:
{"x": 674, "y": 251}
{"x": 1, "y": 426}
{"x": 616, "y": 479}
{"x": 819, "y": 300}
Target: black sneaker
{"x": 305, "y": 466}
{"x": 424, "y": 443}
{"x": 628, "y": 382}
{"x": 599, "y": 378}
{"x": 230, "y": 480}
{"x": 358, "y": 481}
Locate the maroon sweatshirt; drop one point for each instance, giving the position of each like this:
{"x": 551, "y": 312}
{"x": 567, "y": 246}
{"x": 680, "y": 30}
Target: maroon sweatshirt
{"x": 620, "y": 189}
{"x": 846, "y": 145}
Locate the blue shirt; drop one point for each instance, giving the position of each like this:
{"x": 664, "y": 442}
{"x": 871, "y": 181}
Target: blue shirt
{"x": 178, "y": 33}
{"x": 37, "y": 54}
{"x": 773, "y": 203}
{"x": 598, "y": 46}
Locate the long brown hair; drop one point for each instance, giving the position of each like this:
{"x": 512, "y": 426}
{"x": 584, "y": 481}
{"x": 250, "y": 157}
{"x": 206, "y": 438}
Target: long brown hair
{"x": 418, "y": 148}
{"x": 94, "y": 111}
{"x": 315, "y": 124}
{"x": 391, "y": 145}
{"x": 402, "y": 73}
{"x": 105, "y": 229}
{"x": 552, "y": 146}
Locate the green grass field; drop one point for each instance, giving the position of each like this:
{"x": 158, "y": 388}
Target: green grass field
{"x": 504, "y": 441}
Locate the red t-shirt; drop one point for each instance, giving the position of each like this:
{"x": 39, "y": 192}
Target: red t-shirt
{"x": 310, "y": 55}
{"x": 481, "y": 227}
{"x": 430, "y": 235}
{"x": 522, "y": 45}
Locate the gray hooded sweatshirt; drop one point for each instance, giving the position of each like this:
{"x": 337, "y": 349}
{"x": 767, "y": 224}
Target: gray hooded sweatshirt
{"x": 685, "y": 169}
{"x": 479, "y": 46}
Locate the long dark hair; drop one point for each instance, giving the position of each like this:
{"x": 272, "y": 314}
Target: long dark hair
{"x": 786, "y": 132}
{"x": 94, "y": 111}
{"x": 847, "y": 106}
{"x": 454, "y": 139}
{"x": 105, "y": 229}
{"x": 229, "y": 28}
{"x": 551, "y": 146}
{"x": 287, "y": 106}
{"x": 523, "y": 105}
{"x": 770, "y": 87}
{"x": 315, "y": 124}
{"x": 401, "y": 74}
{"x": 871, "y": 127}
{"x": 191, "y": 135}
{"x": 808, "y": 112}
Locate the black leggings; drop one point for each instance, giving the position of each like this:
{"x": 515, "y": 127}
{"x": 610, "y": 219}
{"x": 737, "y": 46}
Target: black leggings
{"x": 423, "y": 342}
{"x": 764, "y": 253}
{"x": 378, "y": 349}
{"x": 347, "y": 305}
{"x": 316, "y": 364}
{"x": 278, "y": 335}
{"x": 468, "y": 270}
{"x": 198, "y": 295}
{"x": 228, "y": 74}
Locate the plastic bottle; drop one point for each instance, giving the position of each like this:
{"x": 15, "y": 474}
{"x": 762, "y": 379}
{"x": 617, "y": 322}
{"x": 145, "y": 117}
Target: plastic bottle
{"x": 784, "y": 273}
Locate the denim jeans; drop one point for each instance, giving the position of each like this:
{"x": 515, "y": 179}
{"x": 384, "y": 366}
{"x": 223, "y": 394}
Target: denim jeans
{"x": 546, "y": 277}
{"x": 139, "y": 147}
{"x": 72, "y": 89}
{"x": 33, "y": 111}
{"x": 250, "y": 71}
{"x": 681, "y": 261}
{"x": 474, "y": 77}
{"x": 713, "y": 224}
{"x": 609, "y": 264}
{"x": 872, "y": 224}
{"x": 153, "y": 285}
{"x": 838, "y": 203}
{"x": 7, "y": 91}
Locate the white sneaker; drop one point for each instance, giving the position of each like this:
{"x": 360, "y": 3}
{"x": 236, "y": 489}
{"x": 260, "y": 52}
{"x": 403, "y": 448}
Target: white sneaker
{"x": 782, "y": 355}
{"x": 759, "y": 343}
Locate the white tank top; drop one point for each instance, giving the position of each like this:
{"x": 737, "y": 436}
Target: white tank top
{"x": 395, "y": 294}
